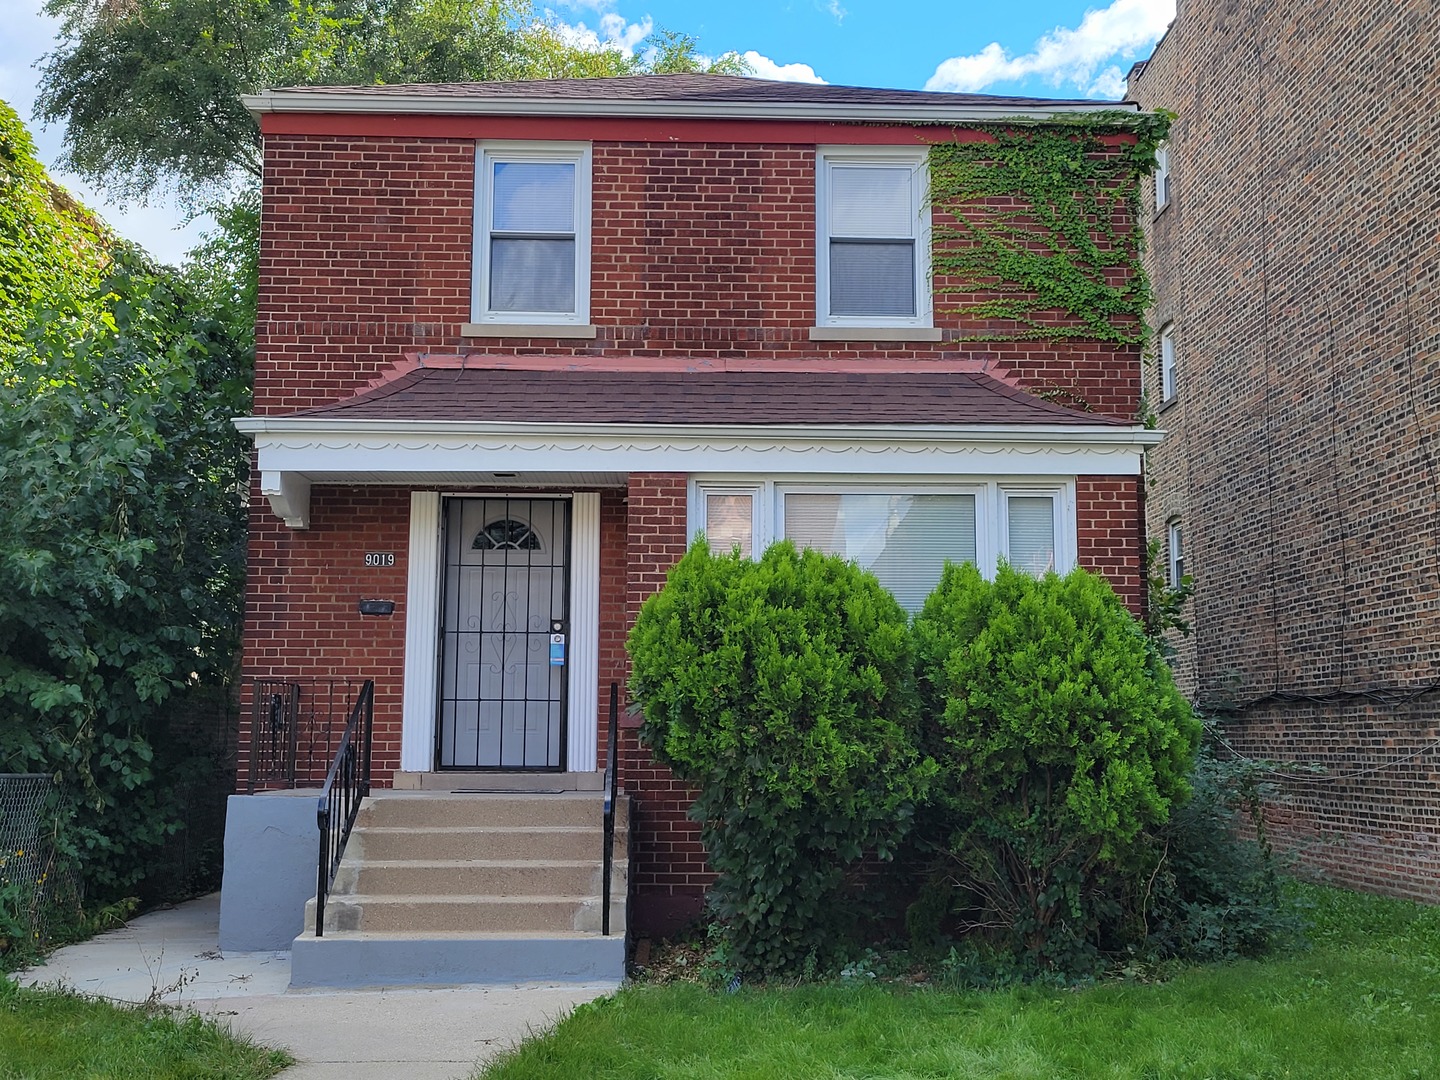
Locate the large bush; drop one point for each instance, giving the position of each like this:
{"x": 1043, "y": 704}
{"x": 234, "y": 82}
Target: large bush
{"x": 1061, "y": 740}
{"x": 783, "y": 689}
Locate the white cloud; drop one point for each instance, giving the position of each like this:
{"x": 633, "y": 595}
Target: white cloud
{"x": 834, "y": 8}
{"x": 1065, "y": 56}
{"x": 611, "y": 32}
{"x": 765, "y": 68}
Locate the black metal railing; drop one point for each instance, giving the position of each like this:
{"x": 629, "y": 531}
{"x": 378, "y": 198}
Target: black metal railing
{"x": 295, "y": 726}
{"x": 346, "y": 786}
{"x": 610, "y": 782}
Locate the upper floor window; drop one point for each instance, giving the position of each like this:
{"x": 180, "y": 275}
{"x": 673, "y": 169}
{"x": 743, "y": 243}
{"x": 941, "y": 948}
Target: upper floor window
{"x": 532, "y": 235}
{"x": 873, "y": 249}
{"x": 1162, "y": 176}
{"x": 1167, "y": 362}
{"x": 1176, "y": 543}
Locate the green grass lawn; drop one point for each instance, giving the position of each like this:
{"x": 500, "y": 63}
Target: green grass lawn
{"x": 47, "y": 1035}
{"x": 1362, "y": 1001}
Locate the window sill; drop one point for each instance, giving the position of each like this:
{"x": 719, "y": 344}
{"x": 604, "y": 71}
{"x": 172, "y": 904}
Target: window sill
{"x": 1168, "y": 404}
{"x": 527, "y": 330}
{"x": 876, "y": 333}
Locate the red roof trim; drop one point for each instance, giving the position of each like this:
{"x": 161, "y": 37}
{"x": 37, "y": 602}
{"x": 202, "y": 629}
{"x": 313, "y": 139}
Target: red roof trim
{"x": 617, "y": 129}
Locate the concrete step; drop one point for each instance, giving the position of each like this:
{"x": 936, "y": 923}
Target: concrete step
{"x": 478, "y": 842}
{"x": 424, "y": 809}
{"x": 478, "y": 877}
{"x": 477, "y": 780}
{"x": 352, "y": 959}
{"x": 463, "y": 914}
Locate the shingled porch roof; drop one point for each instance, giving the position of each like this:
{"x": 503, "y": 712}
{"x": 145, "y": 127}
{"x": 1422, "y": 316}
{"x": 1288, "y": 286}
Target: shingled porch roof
{"x": 702, "y": 397}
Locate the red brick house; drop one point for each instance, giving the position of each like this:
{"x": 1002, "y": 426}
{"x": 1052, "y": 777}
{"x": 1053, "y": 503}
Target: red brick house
{"x": 519, "y": 343}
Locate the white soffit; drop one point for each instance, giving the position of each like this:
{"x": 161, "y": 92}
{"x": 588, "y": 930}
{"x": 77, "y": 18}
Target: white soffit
{"x": 293, "y": 452}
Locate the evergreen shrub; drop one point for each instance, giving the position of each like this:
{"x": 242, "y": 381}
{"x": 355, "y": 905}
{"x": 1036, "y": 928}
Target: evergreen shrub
{"x": 1062, "y": 744}
{"x": 783, "y": 689}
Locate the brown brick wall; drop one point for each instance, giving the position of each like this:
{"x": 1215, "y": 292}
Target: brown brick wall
{"x": 1301, "y": 266}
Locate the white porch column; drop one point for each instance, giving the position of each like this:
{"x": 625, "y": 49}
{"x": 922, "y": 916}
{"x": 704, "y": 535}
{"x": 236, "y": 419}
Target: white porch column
{"x": 584, "y": 638}
{"x": 422, "y": 617}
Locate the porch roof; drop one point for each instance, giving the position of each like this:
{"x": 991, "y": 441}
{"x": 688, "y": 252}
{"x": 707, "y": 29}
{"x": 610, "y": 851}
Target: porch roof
{"x": 785, "y": 396}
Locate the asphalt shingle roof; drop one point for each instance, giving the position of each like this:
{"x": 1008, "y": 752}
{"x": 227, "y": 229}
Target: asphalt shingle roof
{"x": 487, "y": 394}
{"x": 718, "y": 89}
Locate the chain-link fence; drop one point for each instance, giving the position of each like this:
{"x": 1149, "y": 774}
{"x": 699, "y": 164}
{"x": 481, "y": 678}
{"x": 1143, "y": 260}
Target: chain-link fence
{"x": 26, "y": 854}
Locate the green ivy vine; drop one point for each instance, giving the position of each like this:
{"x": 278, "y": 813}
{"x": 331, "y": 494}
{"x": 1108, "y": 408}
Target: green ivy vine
{"x": 1044, "y": 220}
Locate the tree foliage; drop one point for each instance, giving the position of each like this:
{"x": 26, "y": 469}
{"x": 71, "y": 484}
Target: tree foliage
{"x": 1061, "y": 740}
{"x": 150, "y": 90}
{"x": 51, "y": 248}
{"x": 121, "y": 543}
{"x": 782, "y": 689}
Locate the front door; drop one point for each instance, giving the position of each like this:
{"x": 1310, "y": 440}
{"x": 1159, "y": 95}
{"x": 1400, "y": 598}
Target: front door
{"x": 503, "y": 628}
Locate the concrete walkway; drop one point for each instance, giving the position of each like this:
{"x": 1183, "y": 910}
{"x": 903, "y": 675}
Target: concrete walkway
{"x": 420, "y": 1034}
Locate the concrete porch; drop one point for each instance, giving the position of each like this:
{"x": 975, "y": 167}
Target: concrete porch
{"x": 462, "y": 886}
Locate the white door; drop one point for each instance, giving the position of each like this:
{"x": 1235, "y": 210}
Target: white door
{"x": 503, "y": 633}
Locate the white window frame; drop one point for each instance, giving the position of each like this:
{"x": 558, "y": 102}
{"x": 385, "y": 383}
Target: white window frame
{"x": 1066, "y": 540}
{"x": 917, "y": 158}
{"x": 991, "y": 509}
{"x": 1162, "y": 176}
{"x": 488, "y": 154}
{"x": 1168, "y": 387}
{"x": 1175, "y": 542}
{"x": 759, "y": 525}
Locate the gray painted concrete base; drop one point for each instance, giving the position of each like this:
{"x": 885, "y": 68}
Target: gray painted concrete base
{"x": 272, "y": 843}
{"x": 349, "y": 960}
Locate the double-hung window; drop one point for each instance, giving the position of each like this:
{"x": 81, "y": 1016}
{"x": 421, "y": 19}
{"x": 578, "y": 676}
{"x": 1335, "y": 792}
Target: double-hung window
{"x": 873, "y": 249}
{"x": 1175, "y": 541}
{"x": 1162, "y": 176}
{"x": 532, "y": 235}
{"x": 1168, "y": 388}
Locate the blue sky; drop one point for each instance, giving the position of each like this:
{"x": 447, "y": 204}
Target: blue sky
{"x": 1045, "y": 48}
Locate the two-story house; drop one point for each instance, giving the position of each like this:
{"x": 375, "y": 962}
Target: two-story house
{"x": 518, "y": 344}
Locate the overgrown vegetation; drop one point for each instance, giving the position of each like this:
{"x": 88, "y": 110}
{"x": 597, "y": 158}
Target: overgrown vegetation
{"x": 1062, "y": 745}
{"x": 1361, "y": 1002}
{"x": 55, "y": 1035}
{"x": 782, "y": 688}
{"x": 1023, "y": 738}
{"x": 1041, "y": 237}
{"x": 121, "y": 544}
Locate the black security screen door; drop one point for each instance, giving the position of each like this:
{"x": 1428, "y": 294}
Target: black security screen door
{"x": 503, "y": 643}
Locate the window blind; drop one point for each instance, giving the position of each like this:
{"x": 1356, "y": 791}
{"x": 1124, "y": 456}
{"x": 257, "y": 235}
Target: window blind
{"x": 1032, "y": 533}
{"x": 905, "y": 540}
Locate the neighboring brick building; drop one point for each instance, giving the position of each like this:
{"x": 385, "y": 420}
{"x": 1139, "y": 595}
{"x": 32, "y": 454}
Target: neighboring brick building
{"x": 1296, "y": 262}
{"x": 518, "y": 343}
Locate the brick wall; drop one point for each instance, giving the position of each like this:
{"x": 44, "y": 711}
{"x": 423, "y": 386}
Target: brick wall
{"x": 1301, "y": 267}
{"x": 301, "y": 615}
{"x": 668, "y": 866}
{"x": 1108, "y": 519}
{"x": 698, "y": 251}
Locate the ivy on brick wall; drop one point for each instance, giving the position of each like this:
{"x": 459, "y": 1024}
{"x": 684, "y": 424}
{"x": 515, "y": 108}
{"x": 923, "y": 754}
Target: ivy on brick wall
{"x": 1039, "y": 232}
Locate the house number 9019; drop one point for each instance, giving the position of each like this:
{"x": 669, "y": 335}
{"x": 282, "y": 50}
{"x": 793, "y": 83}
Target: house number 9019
{"x": 379, "y": 558}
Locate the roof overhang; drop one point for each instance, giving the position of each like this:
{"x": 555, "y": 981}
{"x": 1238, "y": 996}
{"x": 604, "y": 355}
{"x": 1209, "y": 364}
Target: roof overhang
{"x": 394, "y": 103}
{"x": 295, "y": 452}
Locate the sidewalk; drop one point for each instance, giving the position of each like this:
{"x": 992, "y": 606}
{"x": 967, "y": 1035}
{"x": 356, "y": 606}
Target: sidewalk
{"x": 422, "y": 1034}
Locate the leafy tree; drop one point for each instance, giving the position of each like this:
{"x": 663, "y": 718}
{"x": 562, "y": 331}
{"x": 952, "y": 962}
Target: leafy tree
{"x": 53, "y": 248}
{"x": 150, "y": 90}
{"x": 121, "y": 542}
{"x": 783, "y": 689}
{"x": 1062, "y": 744}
